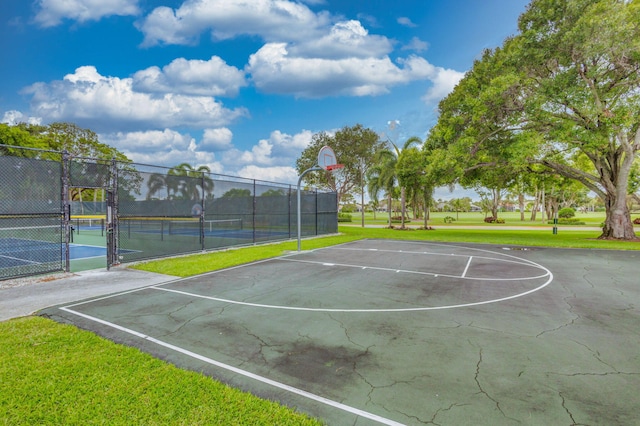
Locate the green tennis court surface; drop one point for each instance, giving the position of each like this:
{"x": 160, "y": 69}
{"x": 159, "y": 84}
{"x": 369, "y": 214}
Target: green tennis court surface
{"x": 389, "y": 332}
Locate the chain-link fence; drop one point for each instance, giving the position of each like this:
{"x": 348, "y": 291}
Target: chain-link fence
{"x": 142, "y": 211}
{"x": 31, "y": 231}
{"x": 171, "y": 211}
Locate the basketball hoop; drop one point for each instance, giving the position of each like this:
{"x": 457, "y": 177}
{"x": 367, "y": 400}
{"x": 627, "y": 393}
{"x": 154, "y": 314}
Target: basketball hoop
{"x": 326, "y": 161}
{"x": 334, "y": 168}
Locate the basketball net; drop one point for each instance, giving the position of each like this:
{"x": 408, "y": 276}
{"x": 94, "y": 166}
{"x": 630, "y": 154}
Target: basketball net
{"x": 333, "y": 168}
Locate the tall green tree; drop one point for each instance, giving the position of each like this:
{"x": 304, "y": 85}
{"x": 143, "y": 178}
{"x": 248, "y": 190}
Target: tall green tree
{"x": 412, "y": 171}
{"x": 19, "y": 136}
{"x": 82, "y": 146}
{"x": 583, "y": 94}
{"x": 564, "y": 93}
{"x": 354, "y": 146}
{"x": 381, "y": 176}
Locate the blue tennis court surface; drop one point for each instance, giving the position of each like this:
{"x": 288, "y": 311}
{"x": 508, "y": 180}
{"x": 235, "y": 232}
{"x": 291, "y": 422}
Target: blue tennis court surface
{"x": 17, "y": 252}
{"x": 80, "y": 251}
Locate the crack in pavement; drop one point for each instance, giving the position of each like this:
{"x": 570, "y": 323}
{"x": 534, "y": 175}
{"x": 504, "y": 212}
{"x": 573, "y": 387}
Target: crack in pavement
{"x": 564, "y": 405}
{"x": 346, "y": 332}
{"x": 577, "y": 316}
{"x": 375, "y": 388}
{"x": 483, "y": 391}
{"x": 442, "y": 410}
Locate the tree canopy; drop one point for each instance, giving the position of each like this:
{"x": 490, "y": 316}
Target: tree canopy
{"x": 563, "y": 94}
{"x": 355, "y": 147}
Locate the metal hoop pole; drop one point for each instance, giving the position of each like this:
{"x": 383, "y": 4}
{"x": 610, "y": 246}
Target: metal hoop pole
{"x": 312, "y": 169}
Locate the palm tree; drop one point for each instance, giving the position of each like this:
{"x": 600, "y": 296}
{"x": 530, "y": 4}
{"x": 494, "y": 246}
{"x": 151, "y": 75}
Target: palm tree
{"x": 190, "y": 179}
{"x": 382, "y": 176}
{"x": 386, "y": 170}
{"x": 155, "y": 184}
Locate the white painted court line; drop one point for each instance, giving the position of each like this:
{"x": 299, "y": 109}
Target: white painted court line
{"x": 294, "y": 390}
{"x": 291, "y": 257}
{"x": 380, "y": 310}
{"x": 464, "y": 273}
{"x": 406, "y": 271}
{"x": 20, "y": 259}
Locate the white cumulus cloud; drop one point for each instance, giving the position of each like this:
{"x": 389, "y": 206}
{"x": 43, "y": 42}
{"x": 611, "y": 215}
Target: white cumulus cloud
{"x": 217, "y": 139}
{"x": 281, "y": 174}
{"x": 273, "y": 70}
{"x": 191, "y": 77}
{"x": 280, "y": 149}
{"x": 403, "y": 20}
{"x": 51, "y": 12}
{"x": 162, "y": 148}
{"x": 345, "y": 39}
{"x": 147, "y": 142}
{"x": 444, "y": 80}
{"x": 268, "y": 19}
{"x": 97, "y": 101}
{"x": 416, "y": 45}
{"x": 14, "y": 117}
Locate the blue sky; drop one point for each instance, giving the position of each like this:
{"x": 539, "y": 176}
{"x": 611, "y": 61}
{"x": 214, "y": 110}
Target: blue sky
{"x": 239, "y": 85}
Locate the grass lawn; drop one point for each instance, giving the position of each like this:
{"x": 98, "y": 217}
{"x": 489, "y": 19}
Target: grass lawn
{"x": 477, "y": 218}
{"x": 57, "y": 374}
{"x": 54, "y": 374}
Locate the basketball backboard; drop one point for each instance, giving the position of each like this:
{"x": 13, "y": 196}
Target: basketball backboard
{"x": 326, "y": 157}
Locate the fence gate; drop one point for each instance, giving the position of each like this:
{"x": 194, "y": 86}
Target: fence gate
{"x": 85, "y": 176}
{"x": 112, "y": 228}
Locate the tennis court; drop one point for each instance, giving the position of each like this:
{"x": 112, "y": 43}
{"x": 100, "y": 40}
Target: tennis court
{"x": 217, "y": 228}
{"x": 17, "y": 254}
{"x": 391, "y": 332}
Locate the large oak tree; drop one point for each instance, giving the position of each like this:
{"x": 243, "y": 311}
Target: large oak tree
{"x": 564, "y": 93}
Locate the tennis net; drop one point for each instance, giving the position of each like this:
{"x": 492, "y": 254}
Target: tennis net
{"x": 208, "y": 227}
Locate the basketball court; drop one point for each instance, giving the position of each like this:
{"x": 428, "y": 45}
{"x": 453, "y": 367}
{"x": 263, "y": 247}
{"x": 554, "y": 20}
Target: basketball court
{"x": 391, "y": 332}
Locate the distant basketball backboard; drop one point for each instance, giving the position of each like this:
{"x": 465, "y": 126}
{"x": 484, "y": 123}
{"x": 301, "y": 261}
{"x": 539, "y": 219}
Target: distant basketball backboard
{"x": 326, "y": 157}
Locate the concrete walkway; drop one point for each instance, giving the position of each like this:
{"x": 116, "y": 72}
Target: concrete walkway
{"x": 23, "y": 297}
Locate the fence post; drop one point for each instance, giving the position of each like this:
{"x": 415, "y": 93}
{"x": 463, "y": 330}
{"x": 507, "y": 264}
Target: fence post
{"x": 66, "y": 209}
{"x": 253, "y": 220}
{"x": 112, "y": 216}
{"x": 202, "y": 215}
{"x": 289, "y": 212}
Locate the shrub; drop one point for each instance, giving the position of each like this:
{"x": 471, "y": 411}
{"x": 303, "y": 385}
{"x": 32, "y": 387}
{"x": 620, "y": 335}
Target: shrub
{"x": 449, "y": 219}
{"x": 491, "y": 219}
{"x": 344, "y": 217}
{"x": 566, "y": 213}
{"x": 349, "y": 208}
{"x": 398, "y": 219}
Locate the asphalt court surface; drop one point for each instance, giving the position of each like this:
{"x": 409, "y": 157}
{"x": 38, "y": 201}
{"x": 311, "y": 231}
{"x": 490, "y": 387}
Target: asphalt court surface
{"x": 390, "y": 332}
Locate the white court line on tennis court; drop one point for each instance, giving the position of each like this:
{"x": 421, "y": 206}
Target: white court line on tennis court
{"x": 244, "y": 373}
{"x": 20, "y": 259}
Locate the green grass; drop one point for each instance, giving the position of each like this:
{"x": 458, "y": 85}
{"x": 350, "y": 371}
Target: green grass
{"x": 476, "y": 219}
{"x": 57, "y": 374}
